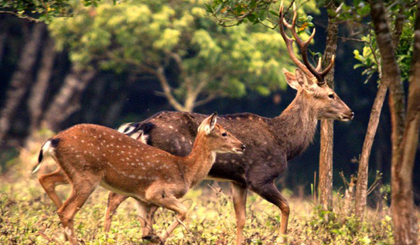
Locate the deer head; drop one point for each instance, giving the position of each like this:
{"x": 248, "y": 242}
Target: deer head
{"x": 308, "y": 80}
{"x": 324, "y": 101}
{"x": 218, "y": 139}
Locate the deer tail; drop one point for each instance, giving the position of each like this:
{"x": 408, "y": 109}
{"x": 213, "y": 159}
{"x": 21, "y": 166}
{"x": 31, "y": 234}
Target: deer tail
{"x": 137, "y": 131}
{"x": 46, "y": 147}
{"x": 127, "y": 128}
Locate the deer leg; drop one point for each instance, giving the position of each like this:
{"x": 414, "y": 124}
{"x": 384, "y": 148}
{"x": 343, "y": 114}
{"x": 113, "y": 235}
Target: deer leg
{"x": 50, "y": 181}
{"x": 114, "y": 200}
{"x": 171, "y": 203}
{"x": 146, "y": 213}
{"x": 270, "y": 193}
{"x": 80, "y": 193}
{"x": 239, "y": 194}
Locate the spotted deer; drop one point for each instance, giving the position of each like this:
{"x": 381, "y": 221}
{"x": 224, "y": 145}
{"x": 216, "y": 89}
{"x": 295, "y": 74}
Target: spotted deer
{"x": 92, "y": 155}
{"x": 271, "y": 142}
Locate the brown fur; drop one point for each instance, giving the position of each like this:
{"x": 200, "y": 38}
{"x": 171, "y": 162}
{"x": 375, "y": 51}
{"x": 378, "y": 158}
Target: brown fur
{"x": 92, "y": 155}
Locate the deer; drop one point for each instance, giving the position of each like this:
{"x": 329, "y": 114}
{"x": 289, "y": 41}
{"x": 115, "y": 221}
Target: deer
{"x": 271, "y": 142}
{"x": 91, "y": 155}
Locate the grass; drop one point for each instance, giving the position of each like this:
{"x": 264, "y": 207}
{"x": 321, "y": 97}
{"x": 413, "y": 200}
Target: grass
{"x": 28, "y": 216}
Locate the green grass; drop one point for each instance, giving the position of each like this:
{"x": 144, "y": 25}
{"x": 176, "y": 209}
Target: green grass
{"x": 27, "y": 216}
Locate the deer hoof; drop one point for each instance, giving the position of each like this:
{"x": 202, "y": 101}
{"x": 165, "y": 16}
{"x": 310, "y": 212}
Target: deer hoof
{"x": 153, "y": 239}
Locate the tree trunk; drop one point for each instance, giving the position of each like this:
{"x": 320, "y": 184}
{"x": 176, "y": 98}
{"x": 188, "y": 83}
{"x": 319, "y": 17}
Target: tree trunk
{"x": 67, "y": 100}
{"x": 327, "y": 127}
{"x": 4, "y": 31}
{"x": 167, "y": 90}
{"x": 362, "y": 174}
{"x": 40, "y": 87}
{"x": 405, "y": 223}
{"x": 404, "y": 133}
{"x": 21, "y": 79}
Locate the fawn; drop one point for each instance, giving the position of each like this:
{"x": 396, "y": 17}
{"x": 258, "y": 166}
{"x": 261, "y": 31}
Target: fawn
{"x": 92, "y": 155}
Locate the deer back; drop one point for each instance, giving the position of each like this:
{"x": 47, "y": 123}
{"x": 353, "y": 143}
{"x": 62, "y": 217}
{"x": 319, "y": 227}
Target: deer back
{"x": 124, "y": 164}
{"x": 163, "y": 131}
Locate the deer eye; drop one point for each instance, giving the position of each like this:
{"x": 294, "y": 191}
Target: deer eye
{"x": 331, "y": 96}
{"x": 224, "y": 134}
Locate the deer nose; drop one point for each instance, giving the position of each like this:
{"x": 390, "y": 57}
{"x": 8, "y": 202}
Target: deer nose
{"x": 243, "y": 147}
{"x": 352, "y": 116}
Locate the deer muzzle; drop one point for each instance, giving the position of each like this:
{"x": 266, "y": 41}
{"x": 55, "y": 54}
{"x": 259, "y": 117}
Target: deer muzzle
{"x": 347, "y": 116}
{"x": 240, "y": 150}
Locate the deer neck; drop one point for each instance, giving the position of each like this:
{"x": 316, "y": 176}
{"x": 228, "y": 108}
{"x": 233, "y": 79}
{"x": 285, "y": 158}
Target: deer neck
{"x": 199, "y": 162}
{"x": 295, "y": 127}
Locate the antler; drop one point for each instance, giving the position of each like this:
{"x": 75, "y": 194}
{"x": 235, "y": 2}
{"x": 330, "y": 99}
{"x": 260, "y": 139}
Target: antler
{"x": 303, "y": 46}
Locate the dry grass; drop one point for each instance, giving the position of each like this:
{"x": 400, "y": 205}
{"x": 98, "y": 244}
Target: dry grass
{"x": 28, "y": 217}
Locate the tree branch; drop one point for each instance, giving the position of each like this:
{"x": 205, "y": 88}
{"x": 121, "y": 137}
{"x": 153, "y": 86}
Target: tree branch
{"x": 20, "y": 16}
{"x": 160, "y": 73}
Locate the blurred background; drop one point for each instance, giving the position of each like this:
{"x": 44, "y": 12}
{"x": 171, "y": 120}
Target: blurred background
{"x": 117, "y": 63}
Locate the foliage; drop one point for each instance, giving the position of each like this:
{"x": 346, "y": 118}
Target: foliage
{"x": 141, "y": 36}
{"x": 235, "y": 12}
{"x": 28, "y": 216}
{"x": 370, "y": 57}
{"x": 43, "y": 10}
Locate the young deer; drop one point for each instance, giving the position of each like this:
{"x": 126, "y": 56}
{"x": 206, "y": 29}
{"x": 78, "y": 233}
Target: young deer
{"x": 92, "y": 155}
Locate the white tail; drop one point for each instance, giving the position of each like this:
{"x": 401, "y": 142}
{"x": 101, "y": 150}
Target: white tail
{"x": 92, "y": 155}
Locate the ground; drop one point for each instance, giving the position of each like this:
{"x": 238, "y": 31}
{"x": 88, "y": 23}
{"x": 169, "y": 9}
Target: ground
{"x": 28, "y": 216}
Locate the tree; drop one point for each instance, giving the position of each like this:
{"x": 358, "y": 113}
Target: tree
{"x": 405, "y": 124}
{"x": 21, "y": 79}
{"x": 193, "y": 59}
{"x": 67, "y": 99}
{"x": 34, "y": 10}
{"x": 369, "y": 60}
{"x": 325, "y": 185}
{"x": 40, "y": 86}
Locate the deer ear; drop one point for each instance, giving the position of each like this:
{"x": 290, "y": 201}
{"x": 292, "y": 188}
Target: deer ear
{"x": 291, "y": 79}
{"x": 208, "y": 124}
{"x": 213, "y": 120}
{"x": 306, "y": 83}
